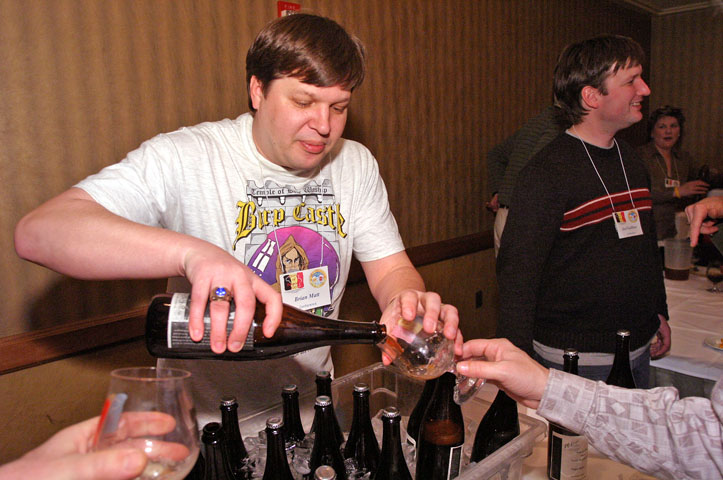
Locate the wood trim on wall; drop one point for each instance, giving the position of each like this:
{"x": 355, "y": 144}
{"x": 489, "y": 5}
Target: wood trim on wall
{"x": 45, "y": 345}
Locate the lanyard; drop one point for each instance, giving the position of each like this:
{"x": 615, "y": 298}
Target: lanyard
{"x": 665, "y": 172}
{"x": 598, "y": 173}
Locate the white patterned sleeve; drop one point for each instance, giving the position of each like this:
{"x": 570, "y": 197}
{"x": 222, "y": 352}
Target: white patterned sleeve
{"x": 652, "y": 430}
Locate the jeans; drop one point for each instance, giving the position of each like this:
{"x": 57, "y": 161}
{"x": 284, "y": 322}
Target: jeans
{"x": 640, "y": 367}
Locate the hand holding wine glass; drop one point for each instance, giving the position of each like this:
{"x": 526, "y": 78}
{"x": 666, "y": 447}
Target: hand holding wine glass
{"x": 151, "y": 409}
{"x": 424, "y": 355}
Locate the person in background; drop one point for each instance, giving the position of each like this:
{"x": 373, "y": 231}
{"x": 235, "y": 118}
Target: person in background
{"x": 506, "y": 159}
{"x": 579, "y": 244}
{"x": 213, "y": 204}
{"x": 673, "y": 182}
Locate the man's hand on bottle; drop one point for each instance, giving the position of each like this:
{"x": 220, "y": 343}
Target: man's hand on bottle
{"x": 211, "y": 267}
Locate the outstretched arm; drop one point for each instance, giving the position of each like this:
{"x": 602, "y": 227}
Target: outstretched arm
{"x": 76, "y": 236}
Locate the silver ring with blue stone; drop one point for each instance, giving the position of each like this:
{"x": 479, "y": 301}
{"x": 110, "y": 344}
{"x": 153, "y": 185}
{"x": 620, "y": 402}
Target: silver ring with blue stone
{"x": 221, "y": 294}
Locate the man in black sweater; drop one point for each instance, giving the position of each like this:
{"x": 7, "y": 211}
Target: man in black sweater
{"x": 578, "y": 258}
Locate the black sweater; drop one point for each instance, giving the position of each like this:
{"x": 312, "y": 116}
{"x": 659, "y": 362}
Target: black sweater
{"x": 565, "y": 277}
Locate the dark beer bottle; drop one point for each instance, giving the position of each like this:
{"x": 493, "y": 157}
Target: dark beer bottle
{"x": 167, "y": 332}
{"x": 361, "y": 444}
{"x": 293, "y": 428}
{"x": 235, "y": 448}
{"x": 621, "y": 375}
{"x": 415, "y": 419}
{"x": 326, "y": 446}
{"x": 441, "y": 434}
{"x": 323, "y": 387}
{"x": 500, "y": 425}
{"x": 214, "y": 453}
{"x": 392, "y": 465}
{"x": 277, "y": 465}
{"x": 566, "y": 450}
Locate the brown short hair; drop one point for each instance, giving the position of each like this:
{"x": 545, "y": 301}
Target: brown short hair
{"x": 314, "y": 49}
{"x": 590, "y": 62}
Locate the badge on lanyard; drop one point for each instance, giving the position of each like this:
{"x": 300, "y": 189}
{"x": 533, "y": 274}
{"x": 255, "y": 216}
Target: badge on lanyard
{"x": 627, "y": 223}
{"x": 671, "y": 183}
{"x": 306, "y": 289}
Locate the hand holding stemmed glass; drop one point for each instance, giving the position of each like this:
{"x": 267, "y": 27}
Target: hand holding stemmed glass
{"x": 424, "y": 355}
{"x": 152, "y": 410}
{"x": 714, "y": 274}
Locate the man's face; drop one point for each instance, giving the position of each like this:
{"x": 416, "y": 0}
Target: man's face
{"x": 297, "y": 124}
{"x": 621, "y": 106}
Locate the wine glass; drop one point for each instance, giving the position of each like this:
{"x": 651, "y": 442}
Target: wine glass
{"x": 714, "y": 274}
{"x": 425, "y": 355}
{"x": 151, "y": 409}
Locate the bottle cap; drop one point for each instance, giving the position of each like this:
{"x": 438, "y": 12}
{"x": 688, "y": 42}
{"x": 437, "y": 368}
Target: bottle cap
{"x": 274, "y": 423}
{"x": 228, "y": 401}
{"x": 623, "y": 333}
{"x": 571, "y": 352}
{"x": 390, "y": 412}
{"x": 290, "y": 388}
{"x": 361, "y": 387}
{"x": 323, "y": 401}
{"x": 323, "y": 374}
{"x": 324, "y": 472}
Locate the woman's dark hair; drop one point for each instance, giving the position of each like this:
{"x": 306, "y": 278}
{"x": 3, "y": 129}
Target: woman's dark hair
{"x": 590, "y": 62}
{"x": 666, "y": 111}
{"x": 316, "y": 50}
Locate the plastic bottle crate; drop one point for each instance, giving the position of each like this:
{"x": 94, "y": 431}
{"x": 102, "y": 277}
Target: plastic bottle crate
{"x": 389, "y": 387}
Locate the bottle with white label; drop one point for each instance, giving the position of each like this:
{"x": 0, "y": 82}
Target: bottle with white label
{"x": 566, "y": 450}
{"x": 167, "y": 332}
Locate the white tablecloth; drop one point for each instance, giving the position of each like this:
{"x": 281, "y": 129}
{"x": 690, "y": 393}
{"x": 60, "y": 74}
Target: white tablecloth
{"x": 694, "y": 315}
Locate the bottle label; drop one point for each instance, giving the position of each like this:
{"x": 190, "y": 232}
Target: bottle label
{"x": 177, "y": 334}
{"x": 568, "y": 459}
{"x": 455, "y": 462}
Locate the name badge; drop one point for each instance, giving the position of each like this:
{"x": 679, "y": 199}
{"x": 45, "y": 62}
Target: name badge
{"x": 671, "y": 183}
{"x": 627, "y": 223}
{"x": 306, "y": 289}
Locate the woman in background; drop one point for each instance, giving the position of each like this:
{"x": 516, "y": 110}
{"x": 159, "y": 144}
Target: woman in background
{"x": 672, "y": 171}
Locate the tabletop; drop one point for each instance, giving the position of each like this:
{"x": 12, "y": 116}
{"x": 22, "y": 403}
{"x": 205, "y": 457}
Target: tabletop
{"x": 695, "y": 315}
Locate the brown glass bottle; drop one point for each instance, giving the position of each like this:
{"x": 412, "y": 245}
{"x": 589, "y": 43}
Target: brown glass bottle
{"x": 361, "y": 444}
{"x": 167, "y": 332}
{"x": 235, "y": 448}
{"x": 323, "y": 387}
{"x": 392, "y": 465}
{"x": 621, "y": 375}
{"x": 415, "y": 418}
{"x": 326, "y": 447}
{"x": 441, "y": 435}
{"x": 293, "y": 428}
{"x": 499, "y": 426}
{"x": 566, "y": 450}
{"x": 277, "y": 464}
{"x": 214, "y": 453}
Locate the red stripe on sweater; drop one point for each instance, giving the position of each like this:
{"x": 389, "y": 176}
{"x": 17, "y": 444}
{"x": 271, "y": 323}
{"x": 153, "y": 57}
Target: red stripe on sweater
{"x": 600, "y": 209}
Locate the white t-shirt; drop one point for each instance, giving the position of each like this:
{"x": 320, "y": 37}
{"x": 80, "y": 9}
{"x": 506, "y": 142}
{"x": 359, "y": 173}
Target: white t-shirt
{"x": 211, "y": 182}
